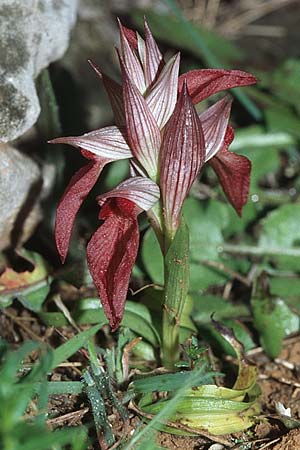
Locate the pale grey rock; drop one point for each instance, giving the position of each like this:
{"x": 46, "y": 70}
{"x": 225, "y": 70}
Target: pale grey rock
{"x": 20, "y": 189}
{"x": 33, "y": 34}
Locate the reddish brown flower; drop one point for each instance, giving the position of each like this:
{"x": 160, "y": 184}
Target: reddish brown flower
{"x": 167, "y": 142}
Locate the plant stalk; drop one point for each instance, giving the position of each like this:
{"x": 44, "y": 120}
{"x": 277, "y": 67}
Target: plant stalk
{"x": 176, "y": 270}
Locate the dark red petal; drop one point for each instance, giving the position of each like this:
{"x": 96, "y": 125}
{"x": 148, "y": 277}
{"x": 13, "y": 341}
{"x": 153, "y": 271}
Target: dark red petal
{"x": 80, "y": 185}
{"x": 114, "y": 92}
{"x": 111, "y": 254}
{"x": 205, "y": 82}
{"x": 130, "y": 36}
{"x": 233, "y": 172}
{"x": 182, "y": 156}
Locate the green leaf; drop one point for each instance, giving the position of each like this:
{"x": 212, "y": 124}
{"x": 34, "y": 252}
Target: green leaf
{"x": 170, "y": 381}
{"x": 215, "y": 409}
{"x": 285, "y": 287}
{"x": 73, "y": 345}
{"x": 220, "y": 344}
{"x": 177, "y": 278}
{"x": 152, "y": 257}
{"x": 207, "y": 305}
{"x": 206, "y": 221}
{"x": 62, "y": 387}
{"x": 254, "y": 136}
{"x": 280, "y": 229}
{"x": 262, "y": 149}
{"x": 116, "y": 173}
{"x": 288, "y": 289}
{"x": 284, "y": 82}
{"x": 274, "y": 321}
{"x": 282, "y": 118}
{"x": 177, "y": 270}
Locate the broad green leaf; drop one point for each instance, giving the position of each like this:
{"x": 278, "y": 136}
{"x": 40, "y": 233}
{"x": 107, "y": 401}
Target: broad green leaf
{"x": 262, "y": 149}
{"x": 152, "y": 257}
{"x": 285, "y": 287}
{"x": 274, "y": 321}
{"x": 280, "y": 230}
{"x": 288, "y": 289}
{"x": 220, "y": 344}
{"x": 282, "y": 118}
{"x": 207, "y": 305}
{"x": 284, "y": 82}
{"x": 205, "y": 221}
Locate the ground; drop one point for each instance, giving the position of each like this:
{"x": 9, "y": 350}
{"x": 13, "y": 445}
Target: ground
{"x": 278, "y": 380}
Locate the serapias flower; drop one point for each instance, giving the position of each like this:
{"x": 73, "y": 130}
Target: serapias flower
{"x": 167, "y": 143}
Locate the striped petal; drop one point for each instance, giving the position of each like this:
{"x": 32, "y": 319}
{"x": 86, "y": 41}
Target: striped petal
{"x": 77, "y": 190}
{"x": 142, "y": 130}
{"x": 214, "y": 123}
{"x": 132, "y": 62}
{"x": 142, "y": 51}
{"x": 154, "y": 59}
{"x": 182, "y": 156}
{"x": 233, "y": 172}
{"x": 108, "y": 142}
{"x": 142, "y": 191}
{"x": 205, "y": 82}
{"x": 163, "y": 95}
{"x": 114, "y": 92}
{"x": 131, "y": 36}
{"x": 111, "y": 254}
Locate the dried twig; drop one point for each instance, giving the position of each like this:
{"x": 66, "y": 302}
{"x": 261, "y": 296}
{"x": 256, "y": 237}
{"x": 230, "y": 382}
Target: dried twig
{"x": 22, "y": 326}
{"x": 69, "y": 417}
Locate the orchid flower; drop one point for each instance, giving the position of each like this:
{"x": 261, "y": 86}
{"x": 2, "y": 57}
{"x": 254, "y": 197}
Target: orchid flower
{"x": 167, "y": 143}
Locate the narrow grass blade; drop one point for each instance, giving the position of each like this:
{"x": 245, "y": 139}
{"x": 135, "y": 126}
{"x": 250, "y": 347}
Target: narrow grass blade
{"x": 73, "y": 345}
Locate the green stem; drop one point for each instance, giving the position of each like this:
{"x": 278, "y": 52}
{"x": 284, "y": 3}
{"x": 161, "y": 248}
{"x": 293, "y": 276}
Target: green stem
{"x": 176, "y": 267}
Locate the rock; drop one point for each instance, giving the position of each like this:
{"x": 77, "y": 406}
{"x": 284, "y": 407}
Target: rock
{"x": 20, "y": 189}
{"x": 33, "y": 34}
